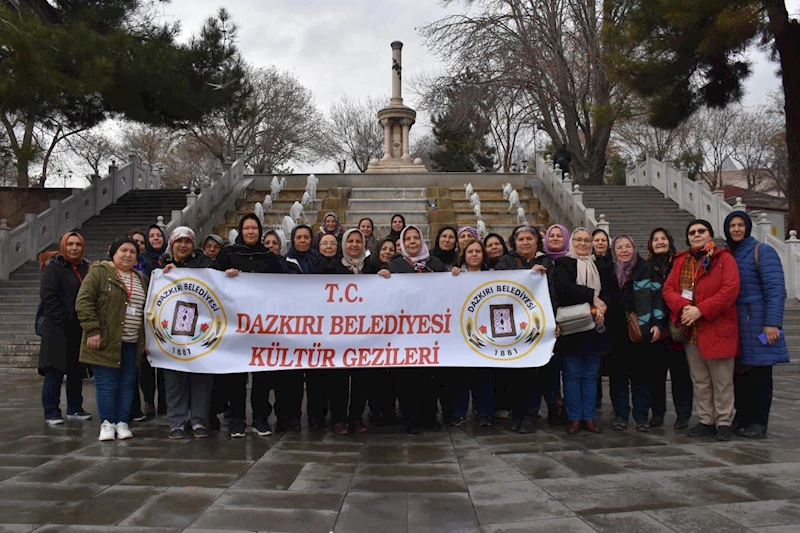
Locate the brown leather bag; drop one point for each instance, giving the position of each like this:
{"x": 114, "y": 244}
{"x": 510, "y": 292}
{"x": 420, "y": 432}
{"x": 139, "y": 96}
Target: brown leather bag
{"x": 634, "y": 331}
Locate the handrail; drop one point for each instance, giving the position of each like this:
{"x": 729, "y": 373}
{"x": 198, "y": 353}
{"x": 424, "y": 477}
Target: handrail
{"x": 23, "y": 243}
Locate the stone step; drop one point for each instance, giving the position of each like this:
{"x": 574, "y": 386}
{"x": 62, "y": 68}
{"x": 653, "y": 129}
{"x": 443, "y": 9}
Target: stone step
{"x": 386, "y": 194}
{"x": 486, "y": 194}
{"x": 394, "y": 205}
{"x": 381, "y": 230}
{"x": 384, "y": 217}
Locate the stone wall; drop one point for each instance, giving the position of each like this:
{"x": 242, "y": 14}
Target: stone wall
{"x": 15, "y": 202}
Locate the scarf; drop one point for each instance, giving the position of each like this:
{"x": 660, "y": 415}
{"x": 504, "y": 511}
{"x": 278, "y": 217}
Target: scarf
{"x": 337, "y": 231}
{"x": 447, "y": 257}
{"x": 62, "y": 247}
{"x": 623, "y": 269}
{"x": 151, "y": 253}
{"x": 662, "y": 263}
{"x": 468, "y": 229}
{"x": 420, "y": 261}
{"x": 353, "y": 264}
{"x": 588, "y": 276}
{"x": 704, "y": 255}
{"x": 307, "y": 260}
{"x": 564, "y": 251}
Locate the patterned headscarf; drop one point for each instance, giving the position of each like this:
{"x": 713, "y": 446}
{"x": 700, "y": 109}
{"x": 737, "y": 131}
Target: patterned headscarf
{"x": 420, "y": 260}
{"x": 555, "y": 254}
{"x": 354, "y": 264}
{"x": 623, "y": 269}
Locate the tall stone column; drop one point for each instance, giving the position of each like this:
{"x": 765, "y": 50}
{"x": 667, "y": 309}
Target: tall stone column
{"x": 406, "y": 123}
{"x": 397, "y": 73}
{"x": 387, "y": 138}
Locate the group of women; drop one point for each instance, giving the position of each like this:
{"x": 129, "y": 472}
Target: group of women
{"x": 684, "y": 313}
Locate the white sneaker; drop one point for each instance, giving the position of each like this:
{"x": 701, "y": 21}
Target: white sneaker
{"x": 107, "y": 430}
{"x": 123, "y": 431}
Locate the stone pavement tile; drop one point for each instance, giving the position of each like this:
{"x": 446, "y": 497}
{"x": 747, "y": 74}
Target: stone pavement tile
{"x": 491, "y": 469}
{"x": 46, "y": 492}
{"x": 59, "y": 447}
{"x": 623, "y": 455}
{"x": 586, "y": 463}
{"x": 280, "y": 500}
{"x": 670, "y": 464}
{"x": 223, "y": 449}
{"x": 756, "y": 514}
{"x": 143, "y": 449}
{"x": 180, "y": 479}
{"x": 514, "y": 502}
{"x": 406, "y": 470}
{"x": 766, "y": 451}
{"x": 16, "y": 528}
{"x": 29, "y": 461}
{"x": 286, "y": 456}
{"x": 26, "y": 443}
{"x": 109, "y": 507}
{"x": 59, "y": 469}
{"x": 324, "y": 477}
{"x": 287, "y": 445}
{"x": 110, "y": 471}
{"x": 730, "y": 455}
{"x": 553, "y": 525}
{"x": 384, "y": 454}
{"x": 696, "y": 520}
{"x": 28, "y": 512}
{"x": 604, "y": 483}
{"x": 617, "y": 439}
{"x": 370, "y": 513}
{"x": 634, "y": 522}
{"x": 707, "y": 488}
{"x": 175, "y": 507}
{"x": 771, "y": 470}
{"x": 7, "y": 472}
{"x": 788, "y": 528}
{"x": 431, "y": 453}
{"x": 207, "y": 467}
{"x": 285, "y": 521}
{"x": 624, "y": 501}
{"x": 537, "y": 466}
{"x": 105, "y": 529}
{"x": 435, "y": 513}
{"x": 267, "y": 475}
{"x": 408, "y": 484}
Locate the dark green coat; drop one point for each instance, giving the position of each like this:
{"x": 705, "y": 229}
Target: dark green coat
{"x": 101, "y": 305}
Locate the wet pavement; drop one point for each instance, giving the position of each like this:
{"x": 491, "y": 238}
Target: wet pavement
{"x": 465, "y": 479}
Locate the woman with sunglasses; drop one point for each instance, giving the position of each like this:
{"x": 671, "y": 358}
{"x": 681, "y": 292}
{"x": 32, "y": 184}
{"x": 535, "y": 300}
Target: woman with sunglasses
{"x": 701, "y": 293}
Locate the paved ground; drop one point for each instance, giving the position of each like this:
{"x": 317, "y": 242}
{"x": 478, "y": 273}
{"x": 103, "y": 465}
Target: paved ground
{"x": 470, "y": 480}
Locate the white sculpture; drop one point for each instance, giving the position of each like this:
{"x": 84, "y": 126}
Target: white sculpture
{"x": 307, "y": 201}
{"x": 259, "y": 211}
{"x": 474, "y": 199}
{"x": 477, "y": 210}
{"x": 311, "y": 186}
{"x": 232, "y": 234}
{"x": 482, "y": 231}
{"x": 468, "y": 189}
{"x": 283, "y": 182}
{"x": 287, "y": 225}
{"x": 284, "y": 240}
{"x": 513, "y": 200}
{"x": 506, "y": 191}
{"x": 521, "y": 216}
{"x": 267, "y": 203}
{"x": 275, "y": 187}
{"x": 297, "y": 212}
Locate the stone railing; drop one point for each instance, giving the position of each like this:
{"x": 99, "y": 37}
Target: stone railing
{"x": 23, "y": 243}
{"x": 203, "y": 210}
{"x": 696, "y": 198}
{"x": 568, "y": 197}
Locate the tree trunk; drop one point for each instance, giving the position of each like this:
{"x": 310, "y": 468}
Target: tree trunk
{"x": 787, "y": 42}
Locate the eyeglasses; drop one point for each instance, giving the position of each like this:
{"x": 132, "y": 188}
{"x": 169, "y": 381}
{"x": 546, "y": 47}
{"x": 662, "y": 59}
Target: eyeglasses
{"x": 700, "y": 231}
{"x": 586, "y": 241}
{"x": 623, "y": 247}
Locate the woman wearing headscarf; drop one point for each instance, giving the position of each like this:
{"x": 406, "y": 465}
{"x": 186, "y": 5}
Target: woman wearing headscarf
{"x": 556, "y": 243}
{"x": 601, "y": 248}
{"x": 466, "y": 233}
{"x": 301, "y": 251}
{"x": 367, "y": 229}
{"x": 415, "y": 386}
{"x": 212, "y": 245}
{"x": 248, "y": 254}
{"x": 527, "y": 385}
{"x": 495, "y": 249}
{"x": 186, "y": 391}
{"x": 669, "y": 355}
{"x": 444, "y": 247}
{"x": 330, "y": 226}
{"x": 379, "y": 260}
{"x": 62, "y": 275}
{"x": 762, "y": 296}
{"x": 398, "y": 223}
{"x": 110, "y": 308}
{"x": 154, "y": 247}
{"x": 700, "y": 293}
{"x": 138, "y": 235}
{"x": 632, "y": 291}
{"x": 577, "y": 280}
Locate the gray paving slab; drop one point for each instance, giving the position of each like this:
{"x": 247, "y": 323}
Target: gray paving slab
{"x": 467, "y": 479}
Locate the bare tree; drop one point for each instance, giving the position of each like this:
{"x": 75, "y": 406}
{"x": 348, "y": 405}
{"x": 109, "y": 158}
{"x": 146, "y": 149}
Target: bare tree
{"x": 635, "y": 137}
{"x": 753, "y": 139}
{"x": 511, "y": 120}
{"x": 94, "y": 148}
{"x": 715, "y": 136}
{"x": 423, "y": 146}
{"x": 353, "y": 132}
{"x": 552, "y": 52}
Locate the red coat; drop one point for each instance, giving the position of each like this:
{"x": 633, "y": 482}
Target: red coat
{"x": 715, "y": 295}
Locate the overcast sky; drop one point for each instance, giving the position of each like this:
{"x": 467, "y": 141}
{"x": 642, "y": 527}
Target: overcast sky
{"x": 342, "y": 47}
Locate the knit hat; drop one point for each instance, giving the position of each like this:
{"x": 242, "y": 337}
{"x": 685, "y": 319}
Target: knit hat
{"x": 181, "y": 232}
{"x": 119, "y": 242}
{"x": 705, "y": 223}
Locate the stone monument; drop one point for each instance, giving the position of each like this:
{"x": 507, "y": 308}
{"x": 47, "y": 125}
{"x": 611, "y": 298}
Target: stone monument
{"x": 396, "y": 120}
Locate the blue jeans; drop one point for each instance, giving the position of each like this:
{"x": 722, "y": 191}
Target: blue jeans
{"x": 114, "y": 386}
{"x": 620, "y": 394}
{"x": 51, "y": 391}
{"x": 580, "y": 385}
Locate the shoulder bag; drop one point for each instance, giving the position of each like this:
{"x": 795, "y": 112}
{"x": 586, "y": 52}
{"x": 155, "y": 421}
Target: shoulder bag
{"x": 575, "y": 318}
{"x": 634, "y": 331}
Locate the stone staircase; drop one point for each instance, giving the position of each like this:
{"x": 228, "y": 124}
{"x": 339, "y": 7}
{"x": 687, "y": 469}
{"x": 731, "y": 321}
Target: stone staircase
{"x": 381, "y": 205}
{"x": 19, "y": 345}
{"x": 273, "y": 217}
{"x": 494, "y": 209}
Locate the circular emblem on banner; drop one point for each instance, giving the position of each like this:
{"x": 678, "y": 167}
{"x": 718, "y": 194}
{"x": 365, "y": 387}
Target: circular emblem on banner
{"x": 186, "y": 319}
{"x": 502, "y": 320}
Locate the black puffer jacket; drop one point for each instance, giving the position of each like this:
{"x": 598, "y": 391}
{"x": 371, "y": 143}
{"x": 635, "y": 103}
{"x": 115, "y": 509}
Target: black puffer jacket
{"x": 399, "y": 265}
{"x": 61, "y": 330}
{"x": 331, "y": 266}
{"x": 255, "y": 258}
{"x": 196, "y": 259}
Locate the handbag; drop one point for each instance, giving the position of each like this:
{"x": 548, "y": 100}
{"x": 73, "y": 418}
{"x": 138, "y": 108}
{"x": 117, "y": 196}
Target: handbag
{"x": 575, "y": 318}
{"x": 677, "y": 333}
{"x": 634, "y": 331}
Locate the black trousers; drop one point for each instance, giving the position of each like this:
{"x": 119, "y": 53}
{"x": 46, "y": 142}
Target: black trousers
{"x": 233, "y": 388}
{"x": 359, "y": 392}
{"x": 149, "y": 380}
{"x": 752, "y": 386}
{"x": 381, "y": 392}
{"x": 418, "y": 397}
{"x": 665, "y": 357}
{"x": 288, "y": 395}
{"x": 327, "y": 391}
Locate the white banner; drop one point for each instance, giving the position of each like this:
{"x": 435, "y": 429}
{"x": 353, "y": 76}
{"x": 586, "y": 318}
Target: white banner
{"x": 198, "y": 320}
